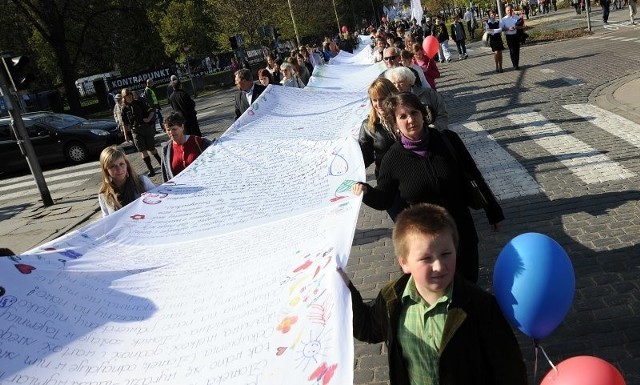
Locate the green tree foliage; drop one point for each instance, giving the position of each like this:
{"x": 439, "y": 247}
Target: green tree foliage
{"x": 85, "y": 37}
{"x": 245, "y": 16}
{"x": 69, "y": 39}
{"x": 188, "y": 28}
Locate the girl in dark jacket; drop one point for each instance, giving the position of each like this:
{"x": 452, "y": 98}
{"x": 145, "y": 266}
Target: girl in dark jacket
{"x": 375, "y": 138}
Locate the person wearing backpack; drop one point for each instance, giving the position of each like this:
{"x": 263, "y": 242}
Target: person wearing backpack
{"x": 151, "y": 98}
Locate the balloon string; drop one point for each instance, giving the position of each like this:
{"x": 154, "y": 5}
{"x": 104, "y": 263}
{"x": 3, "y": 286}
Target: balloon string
{"x": 548, "y": 360}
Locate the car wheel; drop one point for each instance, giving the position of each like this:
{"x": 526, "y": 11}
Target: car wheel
{"x": 76, "y": 152}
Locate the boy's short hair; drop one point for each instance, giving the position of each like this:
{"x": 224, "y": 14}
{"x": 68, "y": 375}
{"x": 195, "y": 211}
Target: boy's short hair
{"x": 174, "y": 119}
{"x": 425, "y": 219}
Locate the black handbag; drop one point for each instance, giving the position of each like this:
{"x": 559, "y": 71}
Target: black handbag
{"x": 474, "y": 196}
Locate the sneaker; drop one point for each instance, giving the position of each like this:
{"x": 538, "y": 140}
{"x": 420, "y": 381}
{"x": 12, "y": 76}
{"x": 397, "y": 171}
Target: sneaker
{"x": 449, "y": 60}
{"x": 152, "y": 173}
{"x": 466, "y": 56}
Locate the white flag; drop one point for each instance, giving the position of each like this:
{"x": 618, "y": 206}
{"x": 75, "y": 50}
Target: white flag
{"x": 416, "y": 10}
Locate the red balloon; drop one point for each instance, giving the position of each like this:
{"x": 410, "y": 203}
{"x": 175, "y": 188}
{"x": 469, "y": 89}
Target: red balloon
{"x": 583, "y": 370}
{"x": 344, "y": 29}
{"x": 430, "y": 46}
{"x": 384, "y": 19}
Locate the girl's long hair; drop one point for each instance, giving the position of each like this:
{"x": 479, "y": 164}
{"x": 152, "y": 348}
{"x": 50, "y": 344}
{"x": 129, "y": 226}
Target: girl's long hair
{"x": 118, "y": 197}
{"x": 381, "y": 88}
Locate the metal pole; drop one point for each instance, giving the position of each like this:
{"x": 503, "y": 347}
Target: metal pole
{"x": 22, "y": 138}
{"x": 375, "y": 14}
{"x": 587, "y": 7}
{"x": 500, "y": 14}
{"x": 293, "y": 20}
{"x": 337, "y": 20}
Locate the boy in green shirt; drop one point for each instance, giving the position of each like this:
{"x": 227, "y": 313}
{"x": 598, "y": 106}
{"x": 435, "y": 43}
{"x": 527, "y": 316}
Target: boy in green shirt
{"x": 438, "y": 327}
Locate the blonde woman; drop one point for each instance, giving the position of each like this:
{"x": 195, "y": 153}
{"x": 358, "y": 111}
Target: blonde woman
{"x": 375, "y": 138}
{"x": 289, "y": 78}
{"x": 121, "y": 185}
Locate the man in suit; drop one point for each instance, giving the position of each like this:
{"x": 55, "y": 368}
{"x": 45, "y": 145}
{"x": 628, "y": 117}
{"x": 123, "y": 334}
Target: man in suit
{"x": 248, "y": 91}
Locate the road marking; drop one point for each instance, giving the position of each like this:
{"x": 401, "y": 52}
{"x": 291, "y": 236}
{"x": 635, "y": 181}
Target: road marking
{"x": 612, "y": 123}
{"x": 52, "y": 189}
{"x": 68, "y": 171}
{"x": 56, "y": 180}
{"x": 503, "y": 173}
{"x": 30, "y": 183}
{"x": 587, "y": 163}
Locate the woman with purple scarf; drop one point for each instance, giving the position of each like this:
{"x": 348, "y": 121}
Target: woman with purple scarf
{"x": 421, "y": 169}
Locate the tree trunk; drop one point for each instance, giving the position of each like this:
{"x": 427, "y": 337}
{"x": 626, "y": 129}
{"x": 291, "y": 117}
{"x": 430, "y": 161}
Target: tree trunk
{"x": 58, "y": 40}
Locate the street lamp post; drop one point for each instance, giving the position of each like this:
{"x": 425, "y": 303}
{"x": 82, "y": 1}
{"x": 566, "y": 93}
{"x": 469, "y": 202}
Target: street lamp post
{"x": 293, "y": 20}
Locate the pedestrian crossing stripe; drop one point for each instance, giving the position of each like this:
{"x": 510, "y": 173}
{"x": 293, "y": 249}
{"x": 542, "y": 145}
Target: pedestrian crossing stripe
{"x": 25, "y": 186}
{"x": 52, "y": 188}
{"x": 584, "y": 161}
{"x": 614, "y": 38}
{"x": 507, "y": 178}
{"x": 49, "y": 179}
{"x": 612, "y": 123}
{"x": 67, "y": 171}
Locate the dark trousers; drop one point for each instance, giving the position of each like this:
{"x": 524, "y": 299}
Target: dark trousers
{"x": 470, "y": 30}
{"x": 513, "y": 41}
{"x": 605, "y": 10}
{"x": 462, "y": 49}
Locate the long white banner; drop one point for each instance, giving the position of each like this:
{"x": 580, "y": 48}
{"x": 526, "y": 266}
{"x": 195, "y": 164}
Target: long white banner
{"x": 224, "y": 275}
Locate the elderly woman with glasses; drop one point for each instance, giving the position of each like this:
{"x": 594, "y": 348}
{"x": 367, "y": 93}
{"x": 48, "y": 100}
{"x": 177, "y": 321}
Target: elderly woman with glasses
{"x": 404, "y": 80}
{"x": 429, "y": 166}
{"x": 181, "y": 150}
{"x": 289, "y": 78}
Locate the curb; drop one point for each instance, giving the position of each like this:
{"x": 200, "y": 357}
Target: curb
{"x": 603, "y": 96}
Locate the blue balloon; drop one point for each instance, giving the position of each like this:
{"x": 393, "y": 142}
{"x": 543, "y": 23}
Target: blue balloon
{"x": 534, "y": 283}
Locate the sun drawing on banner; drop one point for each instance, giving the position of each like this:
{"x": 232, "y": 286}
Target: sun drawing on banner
{"x": 310, "y": 351}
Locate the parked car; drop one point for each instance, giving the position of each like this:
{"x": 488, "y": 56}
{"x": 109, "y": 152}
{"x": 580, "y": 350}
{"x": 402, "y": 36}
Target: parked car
{"x": 57, "y": 138}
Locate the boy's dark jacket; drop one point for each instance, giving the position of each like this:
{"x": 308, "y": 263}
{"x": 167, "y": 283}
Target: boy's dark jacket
{"x": 478, "y": 346}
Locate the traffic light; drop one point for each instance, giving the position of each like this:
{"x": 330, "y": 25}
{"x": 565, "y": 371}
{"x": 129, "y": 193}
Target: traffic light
{"x": 17, "y": 70}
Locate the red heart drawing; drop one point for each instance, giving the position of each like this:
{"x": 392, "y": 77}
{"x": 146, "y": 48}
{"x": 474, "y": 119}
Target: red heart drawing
{"x": 281, "y": 350}
{"x": 24, "y": 269}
